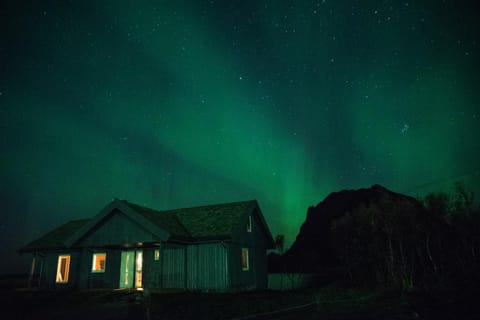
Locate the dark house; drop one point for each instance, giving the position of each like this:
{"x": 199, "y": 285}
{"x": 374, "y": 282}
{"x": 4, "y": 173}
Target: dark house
{"x": 218, "y": 247}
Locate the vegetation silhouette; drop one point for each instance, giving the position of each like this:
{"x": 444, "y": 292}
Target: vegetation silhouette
{"x": 376, "y": 237}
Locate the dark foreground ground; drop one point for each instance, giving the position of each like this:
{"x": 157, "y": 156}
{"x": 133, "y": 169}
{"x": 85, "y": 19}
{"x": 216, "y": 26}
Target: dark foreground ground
{"x": 330, "y": 302}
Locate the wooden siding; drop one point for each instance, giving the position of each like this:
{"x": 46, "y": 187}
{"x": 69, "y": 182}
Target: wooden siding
{"x": 256, "y": 276}
{"x": 173, "y": 267}
{"x": 110, "y": 277}
{"x": 48, "y": 267}
{"x": 80, "y": 273}
{"x": 152, "y": 269}
{"x": 193, "y": 267}
{"x": 117, "y": 229}
{"x": 207, "y": 266}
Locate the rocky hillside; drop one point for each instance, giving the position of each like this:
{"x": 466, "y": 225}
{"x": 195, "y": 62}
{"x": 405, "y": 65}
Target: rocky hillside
{"x": 313, "y": 249}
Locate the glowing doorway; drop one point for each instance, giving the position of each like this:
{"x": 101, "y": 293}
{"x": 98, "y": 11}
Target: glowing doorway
{"x": 131, "y": 269}
{"x": 127, "y": 269}
{"x": 138, "y": 269}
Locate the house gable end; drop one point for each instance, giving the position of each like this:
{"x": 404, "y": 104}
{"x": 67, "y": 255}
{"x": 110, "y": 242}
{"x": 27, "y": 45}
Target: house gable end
{"x": 117, "y": 224}
{"x": 270, "y": 243}
{"x": 259, "y": 225}
{"x": 116, "y": 229}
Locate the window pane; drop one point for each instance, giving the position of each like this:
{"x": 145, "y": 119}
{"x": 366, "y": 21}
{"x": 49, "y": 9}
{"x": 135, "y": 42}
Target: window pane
{"x": 245, "y": 262}
{"x": 98, "y": 263}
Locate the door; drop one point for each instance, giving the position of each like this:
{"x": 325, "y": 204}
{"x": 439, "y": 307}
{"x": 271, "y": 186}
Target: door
{"x": 127, "y": 271}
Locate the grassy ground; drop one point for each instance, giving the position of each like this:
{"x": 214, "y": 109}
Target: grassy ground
{"x": 330, "y": 302}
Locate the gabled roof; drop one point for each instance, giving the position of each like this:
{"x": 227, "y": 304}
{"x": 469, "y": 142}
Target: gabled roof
{"x": 55, "y": 239}
{"x": 165, "y": 221}
{"x": 198, "y": 223}
{"x": 212, "y": 222}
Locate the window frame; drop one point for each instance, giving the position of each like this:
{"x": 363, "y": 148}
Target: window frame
{"x": 65, "y": 277}
{"x": 246, "y": 265}
{"x": 94, "y": 255}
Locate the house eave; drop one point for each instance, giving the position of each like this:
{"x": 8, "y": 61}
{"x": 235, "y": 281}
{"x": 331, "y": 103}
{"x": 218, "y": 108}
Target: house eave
{"x": 201, "y": 240}
{"x": 43, "y": 249}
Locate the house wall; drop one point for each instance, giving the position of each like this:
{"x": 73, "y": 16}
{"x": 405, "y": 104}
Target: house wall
{"x": 110, "y": 278}
{"x": 151, "y": 268}
{"x": 117, "y": 228}
{"x": 256, "y": 277}
{"x": 207, "y": 266}
{"x": 181, "y": 266}
{"x": 80, "y": 272}
{"x": 48, "y": 270}
{"x": 173, "y": 273}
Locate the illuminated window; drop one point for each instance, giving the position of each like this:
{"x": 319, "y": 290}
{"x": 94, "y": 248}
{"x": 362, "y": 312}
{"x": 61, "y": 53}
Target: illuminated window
{"x": 156, "y": 255}
{"x": 98, "y": 262}
{"x": 245, "y": 262}
{"x": 63, "y": 266}
{"x": 249, "y": 224}
{"x": 138, "y": 269}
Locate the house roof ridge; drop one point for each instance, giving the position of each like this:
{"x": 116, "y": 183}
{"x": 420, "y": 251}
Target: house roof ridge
{"x": 199, "y": 221}
{"x": 207, "y": 205}
{"x": 154, "y": 211}
{"x": 174, "y": 211}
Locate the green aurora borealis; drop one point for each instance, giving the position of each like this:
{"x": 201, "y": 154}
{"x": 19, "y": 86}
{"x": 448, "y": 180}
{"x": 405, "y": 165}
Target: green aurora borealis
{"x": 181, "y": 103}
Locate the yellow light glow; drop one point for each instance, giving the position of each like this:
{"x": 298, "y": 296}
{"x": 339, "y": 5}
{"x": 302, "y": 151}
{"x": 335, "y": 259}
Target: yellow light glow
{"x": 98, "y": 263}
{"x": 245, "y": 260}
{"x": 138, "y": 269}
{"x": 63, "y": 268}
{"x": 139, "y": 260}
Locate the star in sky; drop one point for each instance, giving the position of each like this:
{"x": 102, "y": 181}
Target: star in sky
{"x": 183, "y": 103}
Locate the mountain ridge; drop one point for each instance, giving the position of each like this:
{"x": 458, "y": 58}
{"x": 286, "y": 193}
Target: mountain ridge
{"x": 312, "y": 248}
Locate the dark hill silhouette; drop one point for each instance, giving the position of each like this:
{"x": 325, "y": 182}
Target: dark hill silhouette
{"x": 312, "y": 249}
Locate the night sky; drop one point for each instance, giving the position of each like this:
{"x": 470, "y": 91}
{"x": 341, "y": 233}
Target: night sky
{"x": 180, "y": 103}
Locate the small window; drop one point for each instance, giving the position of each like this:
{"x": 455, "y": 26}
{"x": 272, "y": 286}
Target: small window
{"x": 249, "y": 224}
{"x": 156, "y": 255}
{"x": 63, "y": 267}
{"x": 245, "y": 262}
{"x": 98, "y": 262}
